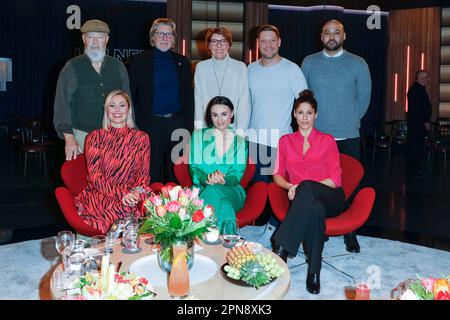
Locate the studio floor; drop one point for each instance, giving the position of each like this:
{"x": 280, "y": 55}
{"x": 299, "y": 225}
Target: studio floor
{"x": 415, "y": 210}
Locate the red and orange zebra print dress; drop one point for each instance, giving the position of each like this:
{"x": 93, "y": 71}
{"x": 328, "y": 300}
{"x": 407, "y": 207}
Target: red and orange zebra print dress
{"x": 117, "y": 160}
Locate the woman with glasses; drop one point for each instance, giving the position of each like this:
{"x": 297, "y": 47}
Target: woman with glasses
{"x": 221, "y": 76}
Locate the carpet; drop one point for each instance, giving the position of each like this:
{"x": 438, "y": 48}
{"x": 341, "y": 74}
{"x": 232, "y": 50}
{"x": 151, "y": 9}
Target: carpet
{"x": 27, "y": 266}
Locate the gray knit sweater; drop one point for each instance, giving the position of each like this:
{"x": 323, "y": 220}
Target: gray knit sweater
{"x": 342, "y": 88}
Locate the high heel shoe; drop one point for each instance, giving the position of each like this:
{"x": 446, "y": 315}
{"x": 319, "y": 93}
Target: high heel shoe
{"x": 313, "y": 283}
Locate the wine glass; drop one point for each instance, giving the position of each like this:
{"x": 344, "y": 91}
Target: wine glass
{"x": 97, "y": 244}
{"x": 230, "y": 233}
{"x": 64, "y": 239}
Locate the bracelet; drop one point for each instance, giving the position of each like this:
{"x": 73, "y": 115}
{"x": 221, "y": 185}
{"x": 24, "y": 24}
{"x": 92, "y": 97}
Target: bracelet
{"x": 140, "y": 189}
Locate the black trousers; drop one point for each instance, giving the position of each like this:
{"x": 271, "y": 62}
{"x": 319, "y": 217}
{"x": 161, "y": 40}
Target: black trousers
{"x": 305, "y": 221}
{"x": 161, "y": 162}
{"x": 415, "y": 149}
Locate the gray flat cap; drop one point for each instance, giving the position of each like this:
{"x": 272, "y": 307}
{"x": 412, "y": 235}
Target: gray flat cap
{"x": 94, "y": 26}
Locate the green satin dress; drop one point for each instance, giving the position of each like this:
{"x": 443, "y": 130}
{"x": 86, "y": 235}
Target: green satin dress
{"x": 230, "y": 197}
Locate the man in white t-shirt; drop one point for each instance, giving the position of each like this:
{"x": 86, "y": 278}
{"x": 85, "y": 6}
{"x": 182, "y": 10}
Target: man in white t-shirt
{"x": 275, "y": 82}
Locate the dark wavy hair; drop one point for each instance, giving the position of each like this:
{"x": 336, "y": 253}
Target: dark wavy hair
{"x": 217, "y": 100}
{"x": 304, "y": 96}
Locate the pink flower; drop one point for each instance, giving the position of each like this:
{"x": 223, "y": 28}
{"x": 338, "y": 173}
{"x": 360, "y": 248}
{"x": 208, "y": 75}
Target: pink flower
{"x": 195, "y": 192}
{"x": 428, "y": 284}
{"x": 165, "y": 191}
{"x": 156, "y": 200}
{"x": 198, "y": 202}
{"x": 188, "y": 193}
{"x": 198, "y": 216}
{"x": 209, "y": 210}
{"x": 173, "y": 206}
{"x": 160, "y": 211}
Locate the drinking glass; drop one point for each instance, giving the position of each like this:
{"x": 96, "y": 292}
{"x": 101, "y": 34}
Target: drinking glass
{"x": 64, "y": 239}
{"x": 230, "y": 233}
{"x": 212, "y": 236}
{"x": 131, "y": 239}
{"x": 76, "y": 258}
{"x": 110, "y": 240}
{"x": 98, "y": 246}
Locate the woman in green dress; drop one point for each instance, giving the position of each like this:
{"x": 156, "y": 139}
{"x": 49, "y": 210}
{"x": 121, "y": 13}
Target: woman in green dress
{"x": 217, "y": 161}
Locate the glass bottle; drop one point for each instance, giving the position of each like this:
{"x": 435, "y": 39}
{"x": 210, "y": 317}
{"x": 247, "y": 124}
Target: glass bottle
{"x": 179, "y": 275}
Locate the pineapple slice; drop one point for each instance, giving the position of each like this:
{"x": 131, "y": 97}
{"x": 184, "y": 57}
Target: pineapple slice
{"x": 238, "y": 256}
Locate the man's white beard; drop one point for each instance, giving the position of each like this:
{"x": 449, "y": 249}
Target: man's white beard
{"x": 95, "y": 55}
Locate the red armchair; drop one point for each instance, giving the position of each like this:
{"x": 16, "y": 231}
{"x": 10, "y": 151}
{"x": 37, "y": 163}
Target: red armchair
{"x": 256, "y": 194}
{"x": 74, "y": 176}
{"x": 352, "y": 218}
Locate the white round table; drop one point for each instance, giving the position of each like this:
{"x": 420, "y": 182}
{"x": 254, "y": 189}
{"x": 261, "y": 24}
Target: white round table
{"x": 210, "y": 284}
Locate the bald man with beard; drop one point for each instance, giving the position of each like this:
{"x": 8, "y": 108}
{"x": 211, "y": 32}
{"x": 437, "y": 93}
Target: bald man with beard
{"x": 342, "y": 86}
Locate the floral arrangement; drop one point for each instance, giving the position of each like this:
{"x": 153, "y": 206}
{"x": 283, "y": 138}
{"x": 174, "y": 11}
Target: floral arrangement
{"x": 426, "y": 289}
{"x": 177, "y": 214}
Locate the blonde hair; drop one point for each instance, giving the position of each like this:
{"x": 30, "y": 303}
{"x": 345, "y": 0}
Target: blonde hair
{"x": 106, "y": 121}
{"x": 166, "y": 22}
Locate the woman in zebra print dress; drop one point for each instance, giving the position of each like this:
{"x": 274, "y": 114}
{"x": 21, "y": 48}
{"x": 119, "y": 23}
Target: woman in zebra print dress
{"x": 118, "y": 163}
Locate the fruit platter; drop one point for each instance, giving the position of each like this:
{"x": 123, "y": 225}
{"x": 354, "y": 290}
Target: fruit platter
{"x": 246, "y": 268}
{"x": 110, "y": 285}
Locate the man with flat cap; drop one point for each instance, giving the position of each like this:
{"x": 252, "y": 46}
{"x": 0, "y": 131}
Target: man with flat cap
{"x": 82, "y": 86}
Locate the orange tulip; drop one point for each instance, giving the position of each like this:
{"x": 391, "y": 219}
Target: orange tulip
{"x": 441, "y": 285}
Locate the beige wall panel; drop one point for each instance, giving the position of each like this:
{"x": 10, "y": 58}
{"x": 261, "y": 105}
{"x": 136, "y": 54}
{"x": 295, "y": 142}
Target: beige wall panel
{"x": 199, "y": 29}
{"x": 446, "y": 17}
{"x": 445, "y": 55}
{"x": 445, "y": 36}
{"x": 445, "y": 74}
{"x": 444, "y": 110}
{"x": 205, "y": 10}
{"x": 444, "y": 92}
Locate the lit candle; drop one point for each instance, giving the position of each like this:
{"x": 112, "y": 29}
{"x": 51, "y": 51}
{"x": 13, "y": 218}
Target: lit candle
{"x": 104, "y": 270}
{"x": 111, "y": 276}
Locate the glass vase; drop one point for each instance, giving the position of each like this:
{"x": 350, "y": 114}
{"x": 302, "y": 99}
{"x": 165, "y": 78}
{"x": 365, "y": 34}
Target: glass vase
{"x": 178, "y": 285}
{"x": 165, "y": 255}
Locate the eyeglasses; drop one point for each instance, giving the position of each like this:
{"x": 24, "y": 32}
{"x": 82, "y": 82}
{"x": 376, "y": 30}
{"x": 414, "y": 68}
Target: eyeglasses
{"x": 161, "y": 34}
{"x": 216, "y": 42}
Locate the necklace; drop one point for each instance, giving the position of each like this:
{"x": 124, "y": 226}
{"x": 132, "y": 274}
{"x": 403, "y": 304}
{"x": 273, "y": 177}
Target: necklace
{"x": 223, "y": 77}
